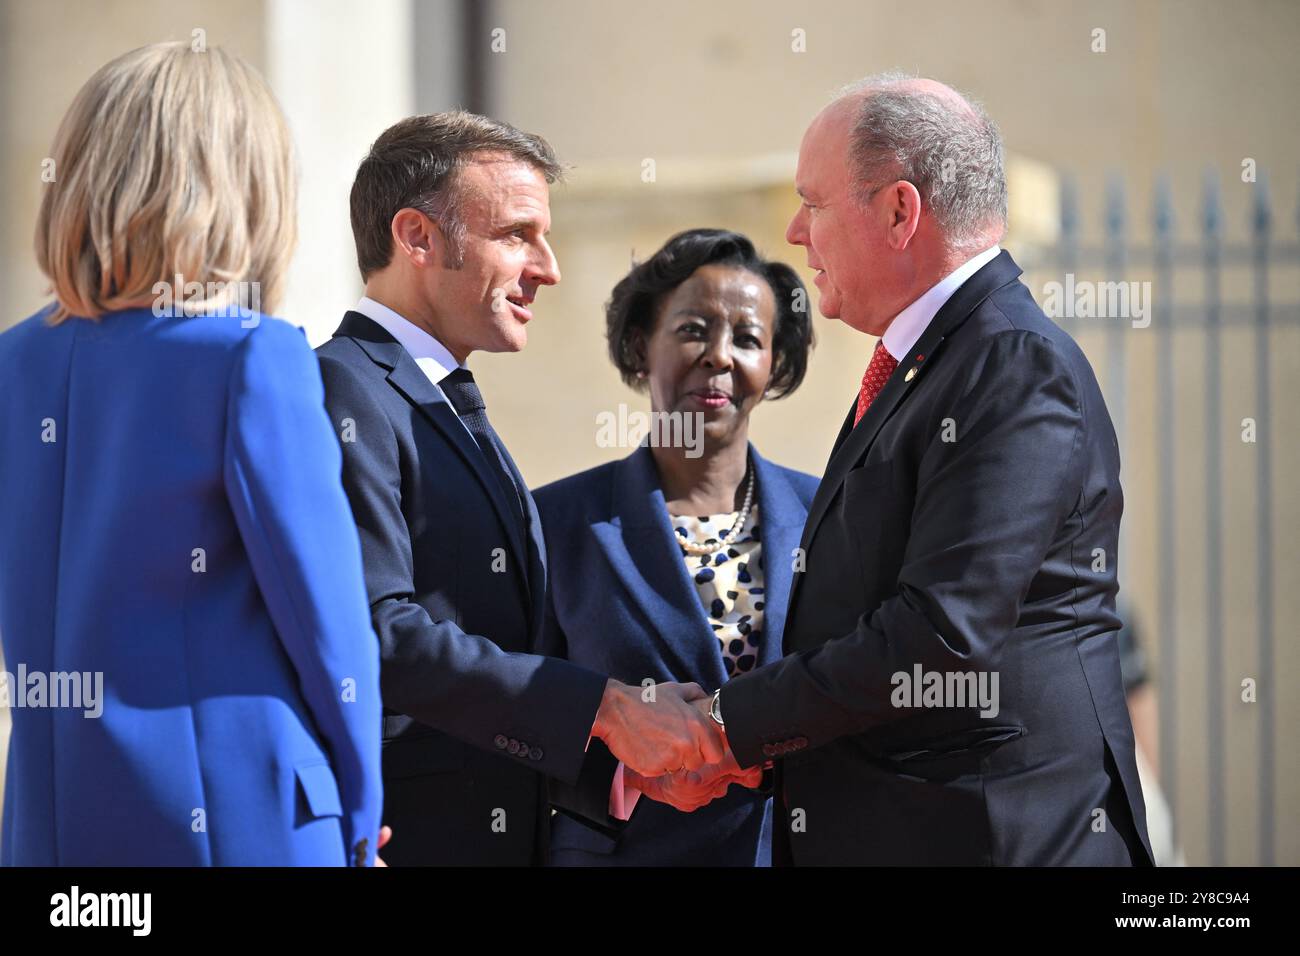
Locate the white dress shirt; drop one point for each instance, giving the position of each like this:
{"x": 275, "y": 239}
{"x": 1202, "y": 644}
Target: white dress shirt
{"x": 430, "y": 354}
{"x": 436, "y": 362}
{"x": 909, "y": 324}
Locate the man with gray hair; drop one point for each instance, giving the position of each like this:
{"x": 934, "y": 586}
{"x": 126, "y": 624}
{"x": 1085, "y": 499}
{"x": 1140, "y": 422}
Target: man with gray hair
{"x": 964, "y": 534}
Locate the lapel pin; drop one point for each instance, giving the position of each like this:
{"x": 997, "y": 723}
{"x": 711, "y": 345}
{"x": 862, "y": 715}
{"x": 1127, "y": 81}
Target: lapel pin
{"x": 911, "y": 374}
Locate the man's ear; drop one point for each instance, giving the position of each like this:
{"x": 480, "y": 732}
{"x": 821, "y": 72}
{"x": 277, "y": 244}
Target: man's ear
{"x": 417, "y": 237}
{"x": 903, "y": 206}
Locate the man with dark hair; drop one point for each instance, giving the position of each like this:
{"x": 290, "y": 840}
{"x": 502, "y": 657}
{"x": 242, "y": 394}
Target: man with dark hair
{"x": 450, "y": 213}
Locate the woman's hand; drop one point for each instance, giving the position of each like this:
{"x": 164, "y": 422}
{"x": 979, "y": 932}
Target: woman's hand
{"x": 688, "y": 790}
{"x": 385, "y": 834}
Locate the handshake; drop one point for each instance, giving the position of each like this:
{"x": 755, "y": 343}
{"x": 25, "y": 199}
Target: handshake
{"x": 672, "y": 750}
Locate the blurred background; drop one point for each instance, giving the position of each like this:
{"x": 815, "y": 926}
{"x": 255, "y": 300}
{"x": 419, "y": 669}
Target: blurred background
{"x": 1153, "y": 142}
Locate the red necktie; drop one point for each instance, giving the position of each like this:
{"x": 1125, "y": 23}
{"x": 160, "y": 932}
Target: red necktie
{"x": 879, "y": 369}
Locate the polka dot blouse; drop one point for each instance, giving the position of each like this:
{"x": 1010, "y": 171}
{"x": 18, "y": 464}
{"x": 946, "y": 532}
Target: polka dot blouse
{"x": 729, "y": 583}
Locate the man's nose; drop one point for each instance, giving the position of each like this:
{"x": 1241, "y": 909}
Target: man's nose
{"x": 545, "y": 267}
{"x": 795, "y": 233}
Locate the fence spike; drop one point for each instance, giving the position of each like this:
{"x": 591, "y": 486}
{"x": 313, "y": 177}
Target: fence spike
{"x": 1261, "y": 216}
{"x": 1211, "y": 213}
{"x": 1069, "y": 207}
{"x": 1164, "y": 207}
{"x": 1115, "y": 206}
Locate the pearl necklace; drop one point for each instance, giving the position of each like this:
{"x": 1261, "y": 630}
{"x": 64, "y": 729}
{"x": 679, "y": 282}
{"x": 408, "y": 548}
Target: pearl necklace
{"x": 702, "y": 548}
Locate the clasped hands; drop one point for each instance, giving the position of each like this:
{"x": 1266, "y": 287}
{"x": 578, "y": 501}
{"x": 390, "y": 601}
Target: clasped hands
{"x": 672, "y": 750}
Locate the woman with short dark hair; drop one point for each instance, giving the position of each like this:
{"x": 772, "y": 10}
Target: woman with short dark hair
{"x": 675, "y": 563}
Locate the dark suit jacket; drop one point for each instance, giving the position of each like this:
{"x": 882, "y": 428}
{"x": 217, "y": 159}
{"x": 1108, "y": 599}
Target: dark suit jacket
{"x": 622, "y": 603}
{"x": 472, "y": 716}
{"x": 958, "y": 528}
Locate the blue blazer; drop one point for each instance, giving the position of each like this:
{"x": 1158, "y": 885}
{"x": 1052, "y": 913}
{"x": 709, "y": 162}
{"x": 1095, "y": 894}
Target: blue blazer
{"x": 172, "y": 518}
{"x": 621, "y": 602}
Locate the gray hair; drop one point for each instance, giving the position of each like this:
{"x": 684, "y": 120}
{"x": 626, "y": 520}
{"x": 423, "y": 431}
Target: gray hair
{"x": 952, "y": 156}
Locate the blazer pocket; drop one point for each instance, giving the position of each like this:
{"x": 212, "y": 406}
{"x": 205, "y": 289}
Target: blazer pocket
{"x": 320, "y": 789}
{"x": 434, "y": 752}
{"x": 864, "y": 513}
{"x": 868, "y": 481}
{"x": 867, "y": 494}
{"x": 568, "y": 833}
{"x": 974, "y": 742}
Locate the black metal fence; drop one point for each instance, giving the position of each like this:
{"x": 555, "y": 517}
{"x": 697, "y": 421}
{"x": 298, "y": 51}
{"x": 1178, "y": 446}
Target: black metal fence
{"x": 1186, "y": 283}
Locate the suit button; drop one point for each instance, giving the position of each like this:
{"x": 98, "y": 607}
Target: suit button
{"x": 535, "y": 753}
{"x": 769, "y": 750}
{"x": 514, "y": 747}
{"x": 500, "y": 741}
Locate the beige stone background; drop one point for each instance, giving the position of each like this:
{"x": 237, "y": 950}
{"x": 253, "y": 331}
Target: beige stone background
{"x": 715, "y": 95}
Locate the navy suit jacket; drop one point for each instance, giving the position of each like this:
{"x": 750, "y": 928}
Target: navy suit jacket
{"x": 473, "y": 717}
{"x": 967, "y": 525}
{"x": 171, "y": 517}
{"x": 623, "y": 603}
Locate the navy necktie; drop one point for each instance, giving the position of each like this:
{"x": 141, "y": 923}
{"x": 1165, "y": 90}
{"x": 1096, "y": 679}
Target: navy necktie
{"x": 463, "y": 393}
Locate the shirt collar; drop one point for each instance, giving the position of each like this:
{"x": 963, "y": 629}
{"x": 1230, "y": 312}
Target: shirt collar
{"x": 430, "y": 354}
{"x": 907, "y": 327}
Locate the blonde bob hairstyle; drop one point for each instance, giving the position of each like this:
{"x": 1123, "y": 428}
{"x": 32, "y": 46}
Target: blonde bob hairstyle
{"x": 170, "y": 163}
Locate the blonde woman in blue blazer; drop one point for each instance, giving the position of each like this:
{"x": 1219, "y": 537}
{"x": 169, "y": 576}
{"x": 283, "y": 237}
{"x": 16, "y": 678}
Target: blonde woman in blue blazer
{"x": 174, "y": 538}
{"x": 675, "y": 563}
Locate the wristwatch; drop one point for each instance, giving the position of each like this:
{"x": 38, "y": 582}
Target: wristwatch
{"x": 715, "y": 708}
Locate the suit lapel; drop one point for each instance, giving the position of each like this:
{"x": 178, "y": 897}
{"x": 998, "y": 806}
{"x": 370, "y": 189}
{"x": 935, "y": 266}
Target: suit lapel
{"x": 781, "y": 518}
{"x": 408, "y": 379}
{"x": 641, "y": 547}
{"x": 853, "y": 442}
